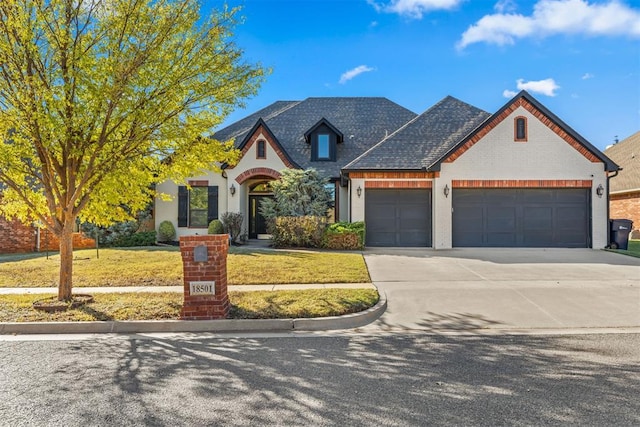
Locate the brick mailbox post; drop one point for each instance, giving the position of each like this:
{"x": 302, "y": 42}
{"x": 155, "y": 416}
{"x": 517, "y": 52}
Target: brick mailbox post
{"x": 204, "y": 261}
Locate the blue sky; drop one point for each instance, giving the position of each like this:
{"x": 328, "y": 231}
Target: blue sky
{"x": 579, "y": 58}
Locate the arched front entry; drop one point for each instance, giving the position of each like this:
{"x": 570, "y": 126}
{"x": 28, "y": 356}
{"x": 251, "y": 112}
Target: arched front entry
{"x": 258, "y": 192}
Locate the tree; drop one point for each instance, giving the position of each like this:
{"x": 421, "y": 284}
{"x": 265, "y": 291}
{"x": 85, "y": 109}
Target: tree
{"x": 297, "y": 193}
{"x": 100, "y": 99}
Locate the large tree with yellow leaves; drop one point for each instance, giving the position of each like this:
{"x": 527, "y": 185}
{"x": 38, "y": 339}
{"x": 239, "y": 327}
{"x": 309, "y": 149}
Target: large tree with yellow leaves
{"x": 99, "y": 99}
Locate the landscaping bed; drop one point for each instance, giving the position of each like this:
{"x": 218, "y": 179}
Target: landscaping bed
{"x": 167, "y": 305}
{"x": 162, "y": 266}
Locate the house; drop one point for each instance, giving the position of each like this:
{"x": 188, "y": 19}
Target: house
{"x": 16, "y": 237}
{"x": 453, "y": 176}
{"x": 624, "y": 188}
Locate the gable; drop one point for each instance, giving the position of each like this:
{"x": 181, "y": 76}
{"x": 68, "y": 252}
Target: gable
{"x": 525, "y": 103}
{"x": 261, "y": 132}
{"x": 626, "y": 153}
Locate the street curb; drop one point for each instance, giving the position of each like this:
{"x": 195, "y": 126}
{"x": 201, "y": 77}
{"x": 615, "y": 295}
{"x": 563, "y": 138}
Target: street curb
{"x": 348, "y": 321}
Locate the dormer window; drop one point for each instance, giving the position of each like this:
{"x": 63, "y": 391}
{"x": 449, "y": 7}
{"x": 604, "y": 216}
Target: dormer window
{"x": 323, "y": 147}
{"x": 520, "y": 129}
{"x": 323, "y": 138}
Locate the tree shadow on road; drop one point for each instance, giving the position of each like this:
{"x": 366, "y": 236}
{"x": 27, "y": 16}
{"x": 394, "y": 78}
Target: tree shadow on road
{"x": 349, "y": 379}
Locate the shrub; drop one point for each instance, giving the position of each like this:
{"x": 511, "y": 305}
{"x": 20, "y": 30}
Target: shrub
{"x": 166, "y": 232}
{"x": 232, "y": 222}
{"x": 108, "y": 236}
{"x": 344, "y": 235}
{"x": 302, "y": 231}
{"x": 215, "y": 227}
{"x": 297, "y": 193}
{"x": 144, "y": 238}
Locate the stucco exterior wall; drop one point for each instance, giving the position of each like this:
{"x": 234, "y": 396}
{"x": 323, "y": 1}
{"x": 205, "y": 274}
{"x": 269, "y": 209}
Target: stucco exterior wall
{"x": 168, "y": 210}
{"x": 272, "y": 161}
{"x": 544, "y": 156}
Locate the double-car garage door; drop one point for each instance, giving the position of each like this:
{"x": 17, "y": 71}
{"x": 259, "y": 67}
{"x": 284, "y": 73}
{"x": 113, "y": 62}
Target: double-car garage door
{"x": 398, "y": 217}
{"x": 496, "y": 217}
{"x": 521, "y": 217}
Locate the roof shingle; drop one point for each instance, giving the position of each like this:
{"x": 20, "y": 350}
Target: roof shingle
{"x": 364, "y": 121}
{"x": 423, "y": 141}
{"x": 626, "y": 154}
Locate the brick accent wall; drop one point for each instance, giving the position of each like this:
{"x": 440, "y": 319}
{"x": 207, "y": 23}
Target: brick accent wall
{"x": 393, "y": 175}
{"x": 205, "y": 307}
{"x": 397, "y": 184}
{"x": 519, "y": 183}
{"x": 521, "y": 102}
{"x": 262, "y": 134}
{"x": 250, "y": 173}
{"x": 626, "y": 206}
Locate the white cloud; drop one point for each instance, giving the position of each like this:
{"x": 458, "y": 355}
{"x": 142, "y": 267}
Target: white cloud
{"x": 587, "y": 76}
{"x": 348, "y": 75}
{"x": 555, "y": 17}
{"x": 413, "y": 8}
{"x": 503, "y": 6}
{"x": 545, "y": 87}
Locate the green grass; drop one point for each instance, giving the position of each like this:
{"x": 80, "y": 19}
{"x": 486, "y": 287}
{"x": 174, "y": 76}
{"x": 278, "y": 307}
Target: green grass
{"x": 162, "y": 266}
{"x": 633, "y": 249}
{"x": 167, "y": 305}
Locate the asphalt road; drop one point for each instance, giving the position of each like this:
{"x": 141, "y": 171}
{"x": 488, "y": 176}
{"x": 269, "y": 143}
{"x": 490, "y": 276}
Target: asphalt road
{"x": 320, "y": 379}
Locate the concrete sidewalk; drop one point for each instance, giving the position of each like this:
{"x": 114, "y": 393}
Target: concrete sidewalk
{"x": 139, "y": 289}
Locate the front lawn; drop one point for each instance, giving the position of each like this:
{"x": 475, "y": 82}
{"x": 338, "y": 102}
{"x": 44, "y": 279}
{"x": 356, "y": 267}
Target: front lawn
{"x": 633, "y": 249}
{"x": 167, "y": 305}
{"x": 162, "y": 266}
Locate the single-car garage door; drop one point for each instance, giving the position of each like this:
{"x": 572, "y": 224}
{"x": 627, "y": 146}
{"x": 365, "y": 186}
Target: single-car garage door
{"x": 521, "y": 217}
{"x": 398, "y": 217}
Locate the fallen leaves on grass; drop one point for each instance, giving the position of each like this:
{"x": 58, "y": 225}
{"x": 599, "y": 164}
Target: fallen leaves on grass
{"x": 167, "y": 305}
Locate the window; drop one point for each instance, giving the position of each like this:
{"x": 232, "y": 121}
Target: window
{"x": 261, "y": 151}
{"x": 323, "y": 147}
{"x": 198, "y": 206}
{"x": 520, "y": 129}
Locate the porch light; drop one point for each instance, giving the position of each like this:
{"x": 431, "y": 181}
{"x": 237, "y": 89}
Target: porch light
{"x": 232, "y": 189}
{"x": 359, "y": 191}
{"x": 600, "y": 190}
{"x": 446, "y": 190}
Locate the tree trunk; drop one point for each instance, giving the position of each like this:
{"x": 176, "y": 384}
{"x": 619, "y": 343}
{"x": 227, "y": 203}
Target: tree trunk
{"x": 66, "y": 262}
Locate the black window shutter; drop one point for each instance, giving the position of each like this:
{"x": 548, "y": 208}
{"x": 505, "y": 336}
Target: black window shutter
{"x": 212, "y": 203}
{"x": 183, "y": 206}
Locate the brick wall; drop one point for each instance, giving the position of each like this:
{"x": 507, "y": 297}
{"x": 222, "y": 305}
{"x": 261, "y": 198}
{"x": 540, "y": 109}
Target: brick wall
{"x": 205, "y": 307}
{"x": 50, "y": 242}
{"x": 626, "y": 206}
{"x": 16, "y": 237}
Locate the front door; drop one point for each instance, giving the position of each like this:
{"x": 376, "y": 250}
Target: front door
{"x": 257, "y": 223}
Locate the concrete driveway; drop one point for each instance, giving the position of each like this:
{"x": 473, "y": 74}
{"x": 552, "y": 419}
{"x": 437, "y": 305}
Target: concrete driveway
{"x": 505, "y": 289}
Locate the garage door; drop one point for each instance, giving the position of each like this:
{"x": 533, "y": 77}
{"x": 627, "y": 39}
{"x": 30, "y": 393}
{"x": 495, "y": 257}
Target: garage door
{"x": 521, "y": 218}
{"x": 398, "y": 217}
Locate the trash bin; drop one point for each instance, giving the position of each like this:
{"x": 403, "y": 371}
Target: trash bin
{"x": 620, "y": 230}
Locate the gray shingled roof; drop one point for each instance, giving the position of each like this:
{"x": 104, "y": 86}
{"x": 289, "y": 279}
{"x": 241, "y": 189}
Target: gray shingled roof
{"x": 423, "y": 141}
{"x": 363, "y": 121}
{"x": 626, "y": 154}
